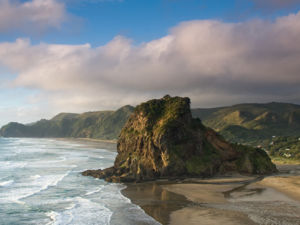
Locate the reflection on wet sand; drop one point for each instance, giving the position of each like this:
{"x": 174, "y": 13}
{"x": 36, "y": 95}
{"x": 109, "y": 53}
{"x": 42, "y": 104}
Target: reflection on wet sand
{"x": 155, "y": 200}
{"x": 226, "y": 201}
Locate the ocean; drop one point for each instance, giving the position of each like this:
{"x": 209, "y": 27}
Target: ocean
{"x": 40, "y": 183}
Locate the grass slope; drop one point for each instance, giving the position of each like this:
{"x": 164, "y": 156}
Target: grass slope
{"x": 100, "y": 125}
{"x": 252, "y": 123}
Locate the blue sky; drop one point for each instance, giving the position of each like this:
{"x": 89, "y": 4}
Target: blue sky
{"x": 81, "y": 55}
{"x": 98, "y": 21}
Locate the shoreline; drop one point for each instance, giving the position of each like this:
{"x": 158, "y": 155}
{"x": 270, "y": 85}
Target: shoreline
{"x": 154, "y": 200}
{"x": 113, "y": 141}
{"x": 175, "y": 202}
{"x": 93, "y": 143}
{"x": 190, "y": 201}
{"x": 87, "y": 139}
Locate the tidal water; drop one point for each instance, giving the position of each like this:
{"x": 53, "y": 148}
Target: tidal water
{"x": 40, "y": 183}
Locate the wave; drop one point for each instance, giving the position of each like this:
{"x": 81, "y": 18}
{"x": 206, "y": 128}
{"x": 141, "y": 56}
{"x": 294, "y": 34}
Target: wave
{"x": 38, "y": 184}
{"x": 46, "y": 177}
{"x": 82, "y": 212}
{"x": 12, "y": 164}
{"x": 35, "y": 176}
{"x": 95, "y": 190}
{"x": 6, "y": 183}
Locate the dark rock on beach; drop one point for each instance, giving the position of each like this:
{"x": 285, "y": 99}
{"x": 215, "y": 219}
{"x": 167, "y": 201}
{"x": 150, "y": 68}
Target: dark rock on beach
{"x": 162, "y": 140}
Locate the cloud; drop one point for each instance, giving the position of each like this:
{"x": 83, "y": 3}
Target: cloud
{"x": 213, "y": 62}
{"x": 36, "y": 15}
{"x": 275, "y": 4}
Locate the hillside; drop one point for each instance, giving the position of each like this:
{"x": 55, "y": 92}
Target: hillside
{"x": 100, "y": 125}
{"x": 162, "y": 140}
{"x": 253, "y": 124}
{"x": 287, "y": 147}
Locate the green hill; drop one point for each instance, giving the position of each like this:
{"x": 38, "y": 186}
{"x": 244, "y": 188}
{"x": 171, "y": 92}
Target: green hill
{"x": 287, "y": 147}
{"x": 253, "y": 124}
{"x": 101, "y": 125}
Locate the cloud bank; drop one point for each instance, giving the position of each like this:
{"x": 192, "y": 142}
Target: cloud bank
{"x": 213, "y": 62}
{"x": 36, "y": 15}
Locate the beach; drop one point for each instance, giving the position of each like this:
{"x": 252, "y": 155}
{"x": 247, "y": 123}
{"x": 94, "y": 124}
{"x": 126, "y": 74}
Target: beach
{"x": 227, "y": 200}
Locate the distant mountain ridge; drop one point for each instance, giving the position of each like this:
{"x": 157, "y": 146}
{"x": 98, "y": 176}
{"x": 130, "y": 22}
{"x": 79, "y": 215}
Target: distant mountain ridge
{"x": 252, "y": 123}
{"x": 99, "y": 125}
{"x": 243, "y": 123}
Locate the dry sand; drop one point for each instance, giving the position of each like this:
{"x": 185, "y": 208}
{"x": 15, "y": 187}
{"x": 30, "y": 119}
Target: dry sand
{"x": 208, "y": 193}
{"x": 230, "y": 200}
{"x": 212, "y": 192}
{"x": 205, "y": 216}
{"x": 289, "y": 185}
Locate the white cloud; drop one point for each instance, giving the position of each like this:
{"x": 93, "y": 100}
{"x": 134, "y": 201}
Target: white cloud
{"x": 36, "y": 15}
{"x": 213, "y": 62}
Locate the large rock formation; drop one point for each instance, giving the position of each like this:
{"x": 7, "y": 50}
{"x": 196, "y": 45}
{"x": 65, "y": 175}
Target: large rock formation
{"x": 162, "y": 140}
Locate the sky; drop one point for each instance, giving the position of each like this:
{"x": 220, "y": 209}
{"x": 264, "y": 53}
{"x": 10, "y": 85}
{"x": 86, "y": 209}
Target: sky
{"x": 87, "y": 55}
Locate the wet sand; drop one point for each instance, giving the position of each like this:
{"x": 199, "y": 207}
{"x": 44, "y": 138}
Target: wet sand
{"x": 226, "y": 200}
{"x": 154, "y": 200}
{"x": 271, "y": 200}
{"x": 208, "y": 216}
{"x": 288, "y": 185}
{"x": 288, "y": 182}
{"x": 202, "y": 193}
{"x": 212, "y": 191}
{"x": 180, "y": 203}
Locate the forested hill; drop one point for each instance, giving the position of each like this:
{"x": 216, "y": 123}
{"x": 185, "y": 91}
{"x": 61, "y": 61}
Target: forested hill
{"x": 99, "y": 125}
{"x": 252, "y": 123}
{"x": 243, "y": 123}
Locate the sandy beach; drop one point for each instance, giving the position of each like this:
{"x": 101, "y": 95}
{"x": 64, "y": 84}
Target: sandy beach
{"x": 229, "y": 200}
{"x": 202, "y": 193}
{"x": 200, "y": 215}
{"x": 287, "y": 185}
{"x": 207, "y": 193}
{"x": 283, "y": 188}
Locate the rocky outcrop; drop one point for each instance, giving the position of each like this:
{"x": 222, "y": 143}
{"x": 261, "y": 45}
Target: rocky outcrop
{"x": 162, "y": 140}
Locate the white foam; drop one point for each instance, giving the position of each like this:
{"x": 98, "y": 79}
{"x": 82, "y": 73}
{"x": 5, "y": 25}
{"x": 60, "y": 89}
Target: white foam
{"x": 45, "y": 167}
{"x": 112, "y": 193}
{"x": 35, "y": 177}
{"x": 52, "y": 215}
{"x": 12, "y": 164}
{"x": 6, "y": 183}
{"x": 98, "y": 189}
{"x": 82, "y": 212}
{"x": 38, "y": 184}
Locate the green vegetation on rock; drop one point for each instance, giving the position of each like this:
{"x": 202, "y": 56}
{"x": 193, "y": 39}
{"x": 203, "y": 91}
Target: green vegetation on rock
{"x": 162, "y": 140}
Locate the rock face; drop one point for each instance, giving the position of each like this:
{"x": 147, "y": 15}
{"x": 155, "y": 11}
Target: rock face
{"x": 162, "y": 140}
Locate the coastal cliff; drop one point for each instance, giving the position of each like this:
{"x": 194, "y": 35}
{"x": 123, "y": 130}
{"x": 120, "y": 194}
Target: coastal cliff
{"x": 105, "y": 125}
{"x": 162, "y": 140}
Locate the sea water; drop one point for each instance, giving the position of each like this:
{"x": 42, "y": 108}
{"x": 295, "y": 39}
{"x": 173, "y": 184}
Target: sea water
{"x": 41, "y": 183}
